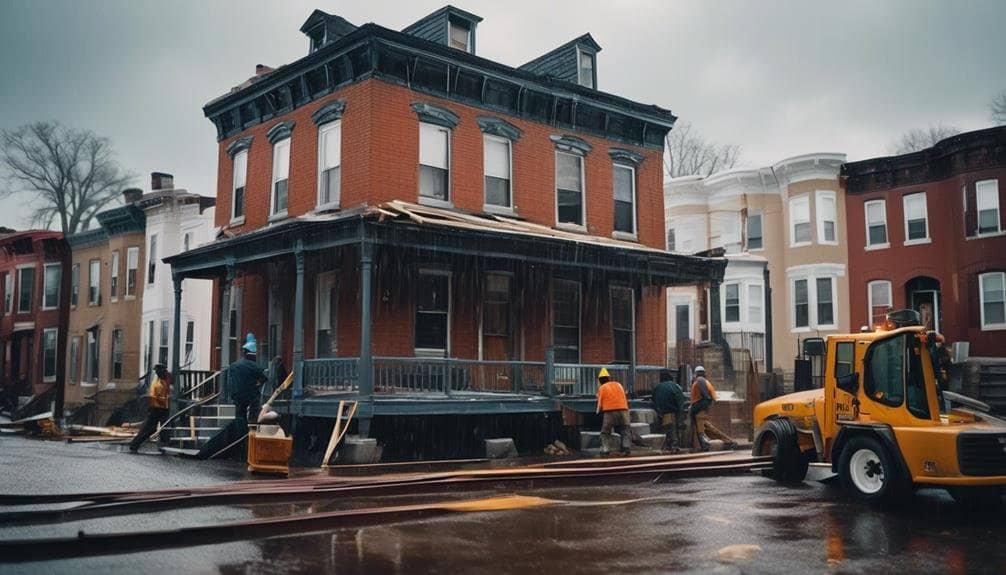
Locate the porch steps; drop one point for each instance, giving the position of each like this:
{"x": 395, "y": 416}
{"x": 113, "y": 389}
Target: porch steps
{"x": 992, "y": 385}
{"x": 192, "y": 434}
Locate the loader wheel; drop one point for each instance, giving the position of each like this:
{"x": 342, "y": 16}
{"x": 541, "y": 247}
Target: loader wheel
{"x": 868, "y": 471}
{"x": 778, "y": 438}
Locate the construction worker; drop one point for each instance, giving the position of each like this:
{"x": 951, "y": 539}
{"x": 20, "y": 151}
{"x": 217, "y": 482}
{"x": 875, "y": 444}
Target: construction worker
{"x": 614, "y": 408}
{"x": 669, "y": 401}
{"x": 244, "y": 377}
{"x": 703, "y": 396}
{"x": 157, "y": 408}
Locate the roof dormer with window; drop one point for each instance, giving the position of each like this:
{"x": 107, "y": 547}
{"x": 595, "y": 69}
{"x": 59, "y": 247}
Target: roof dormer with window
{"x": 450, "y": 26}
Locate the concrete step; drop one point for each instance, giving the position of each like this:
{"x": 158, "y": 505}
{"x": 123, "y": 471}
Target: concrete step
{"x": 643, "y": 416}
{"x": 179, "y": 451}
{"x": 641, "y": 428}
{"x": 653, "y": 440}
{"x": 199, "y": 431}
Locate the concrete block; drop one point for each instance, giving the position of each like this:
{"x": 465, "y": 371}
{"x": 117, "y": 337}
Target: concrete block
{"x": 500, "y": 448}
{"x": 653, "y": 440}
{"x": 640, "y": 428}
{"x": 643, "y": 416}
{"x": 355, "y": 449}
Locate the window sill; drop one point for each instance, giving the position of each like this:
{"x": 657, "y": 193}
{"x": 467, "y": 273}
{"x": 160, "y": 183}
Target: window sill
{"x": 624, "y": 236}
{"x": 755, "y": 250}
{"x": 801, "y": 244}
{"x": 877, "y": 247}
{"x": 499, "y": 210}
{"x": 93, "y": 304}
{"x": 571, "y": 228}
{"x": 50, "y": 379}
{"x": 130, "y": 297}
{"x": 986, "y": 235}
{"x": 918, "y": 242}
{"x": 827, "y": 243}
{"x": 800, "y": 330}
{"x": 994, "y": 327}
{"x": 435, "y": 202}
{"x": 49, "y": 308}
{"x": 330, "y": 206}
{"x": 238, "y": 221}
{"x": 278, "y": 217}
{"x": 113, "y": 299}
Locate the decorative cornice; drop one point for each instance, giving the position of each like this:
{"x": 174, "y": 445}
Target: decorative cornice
{"x": 280, "y": 131}
{"x": 329, "y": 112}
{"x": 498, "y": 127}
{"x": 435, "y": 114}
{"x": 628, "y": 156}
{"x": 573, "y": 144}
{"x": 239, "y": 145}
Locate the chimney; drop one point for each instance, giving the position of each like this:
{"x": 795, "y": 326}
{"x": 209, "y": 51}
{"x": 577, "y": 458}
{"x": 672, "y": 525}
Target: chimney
{"x": 161, "y": 181}
{"x": 130, "y": 195}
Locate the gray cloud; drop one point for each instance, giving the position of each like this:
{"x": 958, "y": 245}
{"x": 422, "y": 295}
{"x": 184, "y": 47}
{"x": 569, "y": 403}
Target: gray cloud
{"x": 779, "y": 78}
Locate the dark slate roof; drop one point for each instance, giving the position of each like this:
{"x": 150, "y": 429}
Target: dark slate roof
{"x": 561, "y": 63}
{"x": 336, "y": 26}
{"x": 87, "y": 238}
{"x": 122, "y": 220}
{"x": 420, "y": 27}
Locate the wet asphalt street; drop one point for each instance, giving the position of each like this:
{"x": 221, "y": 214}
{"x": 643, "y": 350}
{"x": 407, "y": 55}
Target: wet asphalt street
{"x": 736, "y": 524}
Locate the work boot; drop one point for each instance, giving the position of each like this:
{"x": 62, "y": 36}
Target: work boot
{"x": 730, "y": 445}
{"x": 703, "y": 442}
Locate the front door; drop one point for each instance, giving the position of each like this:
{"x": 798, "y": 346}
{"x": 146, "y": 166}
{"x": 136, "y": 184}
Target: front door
{"x": 927, "y": 303}
{"x": 682, "y": 325}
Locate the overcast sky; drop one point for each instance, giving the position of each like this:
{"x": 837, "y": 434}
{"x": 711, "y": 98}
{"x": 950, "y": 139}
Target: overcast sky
{"x": 779, "y": 78}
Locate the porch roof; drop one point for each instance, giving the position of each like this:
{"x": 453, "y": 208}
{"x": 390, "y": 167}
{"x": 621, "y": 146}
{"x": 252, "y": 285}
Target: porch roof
{"x": 445, "y": 231}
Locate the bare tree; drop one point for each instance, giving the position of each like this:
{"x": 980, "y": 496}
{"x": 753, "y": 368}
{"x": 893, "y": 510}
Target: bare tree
{"x": 69, "y": 174}
{"x": 997, "y": 109}
{"x": 920, "y": 139}
{"x": 689, "y": 154}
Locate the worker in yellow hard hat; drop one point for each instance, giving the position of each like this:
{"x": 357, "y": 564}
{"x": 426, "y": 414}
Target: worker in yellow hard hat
{"x": 614, "y": 409}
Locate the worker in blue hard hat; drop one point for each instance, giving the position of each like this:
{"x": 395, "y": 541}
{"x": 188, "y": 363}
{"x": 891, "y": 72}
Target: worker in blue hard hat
{"x": 245, "y": 377}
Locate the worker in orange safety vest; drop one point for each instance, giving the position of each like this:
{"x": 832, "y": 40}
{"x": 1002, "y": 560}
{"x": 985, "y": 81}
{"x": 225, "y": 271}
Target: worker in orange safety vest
{"x": 614, "y": 408}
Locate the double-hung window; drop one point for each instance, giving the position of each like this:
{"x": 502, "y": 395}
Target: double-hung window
{"x": 566, "y": 321}
{"x": 434, "y": 162}
{"x": 117, "y": 346}
{"x": 25, "y": 289}
{"x": 585, "y": 68}
{"x": 459, "y": 35}
{"x": 114, "y": 287}
{"x": 624, "y": 178}
{"x": 622, "y": 322}
{"x": 754, "y": 239}
{"x": 755, "y": 305}
{"x": 49, "y": 339}
{"x": 992, "y": 291}
{"x": 825, "y": 301}
{"x": 496, "y": 160}
{"x": 879, "y": 295}
{"x": 93, "y": 347}
{"x": 329, "y": 164}
{"x": 74, "y": 285}
{"x": 132, "y": 263}
{"x": 876, "y": 224}
{"x": 151, "y": 259}
{"x": 190, "y": 340}
{"x": 916, "y": 218}
{"x": 569, "y": 189}
{"x": 8, "y": 292}
{"x": 827, "y": 216}
{"x": 50, "y": 286}
{"x": 987, "y": 192}
{"x": 74, "y": 359}
{"x": 240, "y": 176}
{"x": 799, "y": 221}
{"x": 433, "y": 293}
{"x": 280, "y": 176}
{"x": 162, "y": 350}
{"x": 732, "y": 303}
{"x": 326, "y": 305}
{"x": 814, "y": 304}
{"x": 801, "y": 304}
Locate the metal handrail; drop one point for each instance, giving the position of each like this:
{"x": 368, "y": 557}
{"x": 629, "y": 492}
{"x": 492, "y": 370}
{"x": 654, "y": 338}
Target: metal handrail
{"x": 189, "y": 392}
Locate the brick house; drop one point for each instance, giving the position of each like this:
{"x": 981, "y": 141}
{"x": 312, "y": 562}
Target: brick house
{"x": 926, "y": 231}
{"x": 404, "y": 220}
{"x": 32, "y": 346}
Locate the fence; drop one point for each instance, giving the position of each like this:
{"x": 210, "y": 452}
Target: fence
{"x": 751, "y": 341}
{"x": 332, "y": 374}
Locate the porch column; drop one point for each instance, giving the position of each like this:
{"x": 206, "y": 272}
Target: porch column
{"x": 176, "y": 344}
{"x": 225, "y": 328}
{"x": 715, "y": 324}
{"x": 366, "y": 377}
{"x": 298, "y": 324}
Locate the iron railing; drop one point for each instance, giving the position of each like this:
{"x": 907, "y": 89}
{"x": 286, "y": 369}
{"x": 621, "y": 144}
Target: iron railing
{"x": 751, "y": 341}
{"x": 195, "y": 384}
{"x": 581, "y": 379}
{"x": 332, "y": 373}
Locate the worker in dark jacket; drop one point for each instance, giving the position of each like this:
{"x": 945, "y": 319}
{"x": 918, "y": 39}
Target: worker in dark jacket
{"x": 669, "y": 401}
{"x": 245, "y": 377}
{"x": 158, "y": 394}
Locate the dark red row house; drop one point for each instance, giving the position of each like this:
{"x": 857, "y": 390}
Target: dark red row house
{"x": 33, "y": 323}
{"x": 404, "y": 220}
{"x": 927, "y": 231}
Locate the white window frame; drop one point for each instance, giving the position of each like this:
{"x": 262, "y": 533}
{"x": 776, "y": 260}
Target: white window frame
{"x": 91, "y": 282}
{"x": 113, "y": 283}
{"x": 451, "y": 24}
{"x": 240, "y": 159}
{"x": 73, "y": 367}
{"x": 820, "y": 197}
{"x": 925, "y": 212}
{"x": 190, "y": 341}
{"x": 801, "y": 199}
{"x": 743, "y": 323}
{"x": 486, "y": 206}
{"x": 757, "y": 325}
{"x": 9, "y": 293}
{"x": 428, "y": 351}
{"x": 429, "y": 200}
{"x": 793, "y": 303}
{"x": 335, "y": 125}
{"x": 31, "y": 301}
{"x": 152, "y": 260}
{"x": 981, "y": 300}
{"x": 812, "y": 273}
{"x": 48, "y": 377}
{"x": 45, "y": 286}
{"x": 994, "y": 185}
{"x": 132, "y": 263}
{"x": 634, "y": 234}
{"x": 870, "y": 302}
{"x": 834, "y": 304}
{"x": 593, "y": 69}
{"x": 747, "y": 230}
{"x": 278, "y": 148}
{"x": 866, "y": 220}
{"x": 583, "y": 193}
{"x": 332, "y": 278}
{"x": 723, "y": 305}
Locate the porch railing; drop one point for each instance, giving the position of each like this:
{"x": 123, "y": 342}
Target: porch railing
{"x": 195, "y": 384}
{"x": 332, "y": 373}
{"x": 581, "y": 379}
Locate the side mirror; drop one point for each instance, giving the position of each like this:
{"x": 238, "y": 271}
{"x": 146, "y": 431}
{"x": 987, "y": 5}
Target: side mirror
{"x": 848, "y": 383}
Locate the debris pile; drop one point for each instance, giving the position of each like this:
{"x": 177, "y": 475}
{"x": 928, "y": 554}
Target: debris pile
{"x": 557, "y": 448}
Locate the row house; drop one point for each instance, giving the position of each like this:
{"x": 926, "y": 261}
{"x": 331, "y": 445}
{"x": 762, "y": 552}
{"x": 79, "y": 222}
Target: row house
{"x": 926, "y": 231}
{"x": 782, "y": 229}
{"x": 401, "y": 218}
{"x": 33, "y": 320}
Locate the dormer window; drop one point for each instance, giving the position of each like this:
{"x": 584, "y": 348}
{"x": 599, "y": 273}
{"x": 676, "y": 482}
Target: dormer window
{"x": 317, "y": 38}
{"x": 460, "y": 35}
{"x": 585, "y": 69}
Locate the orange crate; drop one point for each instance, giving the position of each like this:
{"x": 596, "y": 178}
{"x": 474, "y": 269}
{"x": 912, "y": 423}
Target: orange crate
{"x": 269, "y": 454}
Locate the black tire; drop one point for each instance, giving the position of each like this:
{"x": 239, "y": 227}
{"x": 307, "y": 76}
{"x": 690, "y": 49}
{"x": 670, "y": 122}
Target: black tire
{"x": 778, "y": 438}
{"x": 869, "y": 471}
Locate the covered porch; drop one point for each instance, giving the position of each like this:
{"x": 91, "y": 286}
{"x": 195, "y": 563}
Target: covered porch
{"x": 412, "y": 310}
